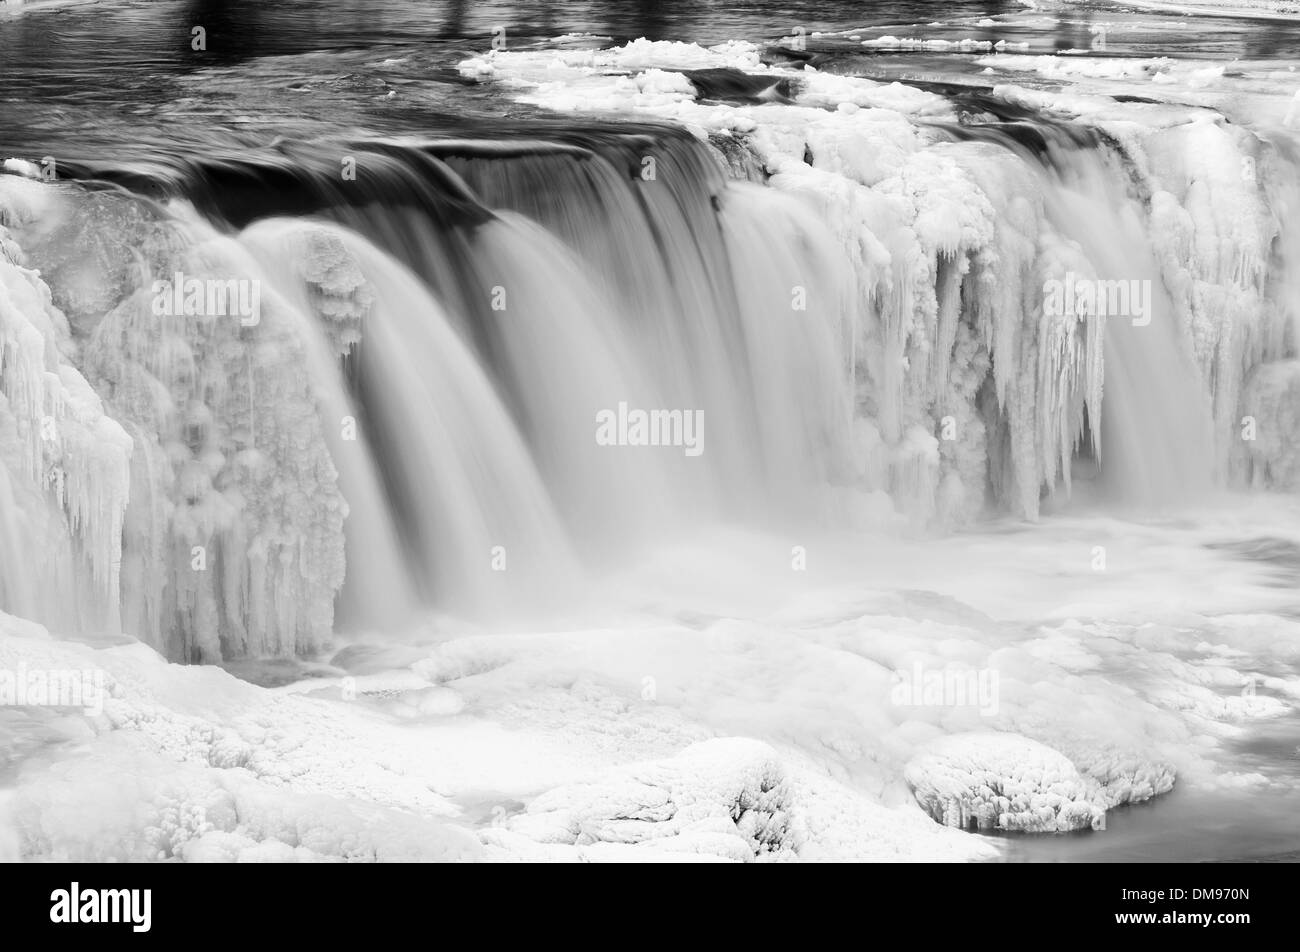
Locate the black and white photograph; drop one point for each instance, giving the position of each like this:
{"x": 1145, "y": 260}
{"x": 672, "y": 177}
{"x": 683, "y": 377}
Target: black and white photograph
{"x": 651, "y": 431}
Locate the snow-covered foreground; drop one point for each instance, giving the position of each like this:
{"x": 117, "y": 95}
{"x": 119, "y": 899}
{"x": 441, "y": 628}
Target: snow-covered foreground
{"x": 748, "y": 710}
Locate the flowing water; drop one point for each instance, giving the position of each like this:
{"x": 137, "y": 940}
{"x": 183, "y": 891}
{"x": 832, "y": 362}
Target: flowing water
{"x": 466, "y": 261}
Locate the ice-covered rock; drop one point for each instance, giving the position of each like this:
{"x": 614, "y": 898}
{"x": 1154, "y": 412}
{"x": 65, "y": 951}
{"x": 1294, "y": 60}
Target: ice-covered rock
{"x": 727, "y": 797}
{"x": 999, "y": 781}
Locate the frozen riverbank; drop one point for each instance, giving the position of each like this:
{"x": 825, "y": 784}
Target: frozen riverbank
{"x": 1182, "y": 654}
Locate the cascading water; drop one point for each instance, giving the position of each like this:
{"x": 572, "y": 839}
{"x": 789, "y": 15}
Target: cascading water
{"x": 423, "y": 449}
{"x": 1154, "y": 436}
{"x": 861, "y": 332}
{"x": 817, "y": 357}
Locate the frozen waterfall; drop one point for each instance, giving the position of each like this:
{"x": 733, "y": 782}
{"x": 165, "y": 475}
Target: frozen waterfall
{"x": 874, "y": 317}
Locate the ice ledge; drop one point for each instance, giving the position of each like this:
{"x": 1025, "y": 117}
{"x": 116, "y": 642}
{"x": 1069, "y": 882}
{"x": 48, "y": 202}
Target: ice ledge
{"x": 1002, "y": 781}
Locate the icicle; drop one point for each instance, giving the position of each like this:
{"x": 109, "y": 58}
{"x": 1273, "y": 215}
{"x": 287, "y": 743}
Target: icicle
{"x": 67, "y": 446}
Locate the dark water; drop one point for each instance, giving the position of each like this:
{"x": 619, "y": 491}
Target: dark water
{"x": 84, "y": 77}
{"x": 1255, "y": 824}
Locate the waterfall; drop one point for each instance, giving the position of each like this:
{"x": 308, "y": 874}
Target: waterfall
{"x": 412, "y": 422}
{"x": 1153, "y": 436}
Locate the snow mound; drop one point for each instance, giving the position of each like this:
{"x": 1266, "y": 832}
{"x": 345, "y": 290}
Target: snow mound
{"x": 728, "y": 798}
{"x": 1003, "y": 782}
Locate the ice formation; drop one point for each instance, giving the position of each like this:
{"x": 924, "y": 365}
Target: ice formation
{"x": 952, "y": 242}
{"x": 64, "y": 463}
{"x": 1272, "y": 404}
{"x": 1001, "y": 782}
{"x": 1004, "y": 781}
{"x": 234, "y": 536}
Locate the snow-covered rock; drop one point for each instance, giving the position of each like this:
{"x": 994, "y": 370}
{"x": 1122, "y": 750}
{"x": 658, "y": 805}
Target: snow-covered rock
{"x": 1002, "y": 782}
{"x": 727, "y": 797}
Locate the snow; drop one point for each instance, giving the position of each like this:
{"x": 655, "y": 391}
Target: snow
{"x": 728, "y": 797}
{"x": 763, "y": 727}
{"x": 220, "y": 770}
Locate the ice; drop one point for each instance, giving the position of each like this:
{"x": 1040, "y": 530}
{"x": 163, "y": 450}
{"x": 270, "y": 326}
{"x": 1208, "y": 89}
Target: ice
{"x": 1271, "y": 401}
{"x": 64, "y": 464}
{"x": 236, "y": 529}
{"x": 967, "y": 45}
{"x": 640, "y": 54}
{"x": 1247, "y": 9}
{"x": 926, "y": 223}
{"x": 1126, "y": 69}
{"x": 1003, "y": 782}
